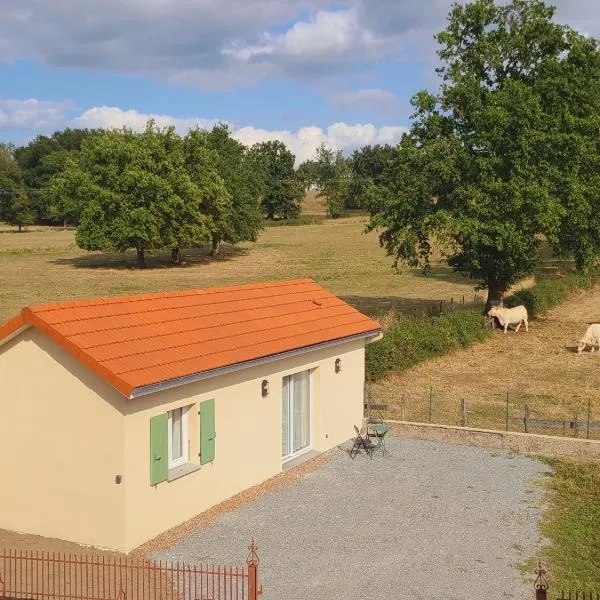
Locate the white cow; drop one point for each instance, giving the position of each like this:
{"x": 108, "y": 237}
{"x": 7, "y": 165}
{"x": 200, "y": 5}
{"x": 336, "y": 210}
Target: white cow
{"x": 590, "y": 338}
{"x": 510, "y": 316}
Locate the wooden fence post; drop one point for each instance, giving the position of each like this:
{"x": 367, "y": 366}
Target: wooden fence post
{"x": 403, "y": 409}
{"x": 430, "y": 401}
{"x": 463, "y": 413}
{"x": 526, "y": 419}
{"x": 506, "y": 410}
{"x": 588, "y": 419}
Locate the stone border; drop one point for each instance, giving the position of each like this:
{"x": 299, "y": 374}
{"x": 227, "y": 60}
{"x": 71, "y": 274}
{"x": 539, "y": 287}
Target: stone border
{"x": 531, "y": 443}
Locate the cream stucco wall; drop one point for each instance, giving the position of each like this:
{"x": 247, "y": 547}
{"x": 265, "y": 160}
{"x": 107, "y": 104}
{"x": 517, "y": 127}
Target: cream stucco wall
{"x": 65, "y": 435}
{"x": 248, "y": 441}
{"x": 61, "y": 446}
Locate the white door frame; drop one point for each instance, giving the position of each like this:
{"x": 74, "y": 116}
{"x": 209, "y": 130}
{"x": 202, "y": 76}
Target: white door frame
{"x": 308, "y": 448}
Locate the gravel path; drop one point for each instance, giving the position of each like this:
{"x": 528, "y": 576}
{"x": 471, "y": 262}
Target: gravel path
{"x": 427, "y": 521}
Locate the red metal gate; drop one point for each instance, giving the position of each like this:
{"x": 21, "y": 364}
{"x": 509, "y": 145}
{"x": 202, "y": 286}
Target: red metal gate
{"x": 39, "y": 575}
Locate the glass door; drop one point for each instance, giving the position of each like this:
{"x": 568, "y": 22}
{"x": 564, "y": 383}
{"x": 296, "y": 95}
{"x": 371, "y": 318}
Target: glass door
{"x": 295, "y": 426}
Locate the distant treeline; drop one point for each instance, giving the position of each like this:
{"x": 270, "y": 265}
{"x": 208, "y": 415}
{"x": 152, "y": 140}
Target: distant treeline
{"x": 157, "y": 189}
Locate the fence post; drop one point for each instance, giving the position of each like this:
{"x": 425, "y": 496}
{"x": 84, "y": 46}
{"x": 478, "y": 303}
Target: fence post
{"x": 463, "y": 413}
{"x": 252, "y": 561}
{"x": 526, "y": 419}
{"x": 506, "y": 410}
{"x": 430, "y": 401}
{"x": 403, "y": 408}
{"x": 541, "y": 584}
{"x": 588, "y": 419}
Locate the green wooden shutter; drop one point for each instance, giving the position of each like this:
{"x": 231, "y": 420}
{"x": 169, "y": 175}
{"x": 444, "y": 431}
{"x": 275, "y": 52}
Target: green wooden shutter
{"x": 207, "y": 431}
{"x": 159, "y": 452}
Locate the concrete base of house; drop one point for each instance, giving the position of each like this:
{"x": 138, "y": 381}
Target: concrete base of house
{"x": 524, "y": 443}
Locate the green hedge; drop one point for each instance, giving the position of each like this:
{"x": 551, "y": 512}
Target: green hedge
{"x": 548, "y": 293}
{"x": 413, "y": 340}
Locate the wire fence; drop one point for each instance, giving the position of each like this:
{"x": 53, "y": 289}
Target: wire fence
{"x": 506, "y": 411}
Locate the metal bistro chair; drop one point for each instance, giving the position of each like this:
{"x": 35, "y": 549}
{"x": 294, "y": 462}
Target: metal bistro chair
{"x": 361, "y": 442}
{"x": 378, "y": 431}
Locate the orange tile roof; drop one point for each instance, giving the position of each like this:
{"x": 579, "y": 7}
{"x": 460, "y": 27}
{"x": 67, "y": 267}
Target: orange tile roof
{"x": 136, "y": 341}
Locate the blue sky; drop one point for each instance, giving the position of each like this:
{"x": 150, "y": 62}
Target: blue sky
{"x": 303, "y": 71}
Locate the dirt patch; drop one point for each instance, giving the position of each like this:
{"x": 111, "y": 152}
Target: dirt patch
{"x": 540, "y": 369}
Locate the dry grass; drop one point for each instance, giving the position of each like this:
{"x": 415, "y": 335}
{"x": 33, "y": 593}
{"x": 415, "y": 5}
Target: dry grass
{"x": 44, "y": 265}
{"x": 313, "y": 204}
{"x": 540, "y": 368}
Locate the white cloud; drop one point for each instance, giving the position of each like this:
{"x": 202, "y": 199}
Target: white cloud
{"x": 32, "y": 114}
{"x": 301, "y": 142}
{"x": 109, "y": 117}
{"x": 328, "y": 37}
{"x": 36, "y": 115}
{"x": 304, "y": 141}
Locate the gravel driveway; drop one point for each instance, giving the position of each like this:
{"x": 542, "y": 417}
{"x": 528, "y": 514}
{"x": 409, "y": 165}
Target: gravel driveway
{"x": 427, "y": 521}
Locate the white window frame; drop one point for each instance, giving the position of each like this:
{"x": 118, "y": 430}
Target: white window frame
{"x": 185, "y": 440}
{"x": 308, "y": 448}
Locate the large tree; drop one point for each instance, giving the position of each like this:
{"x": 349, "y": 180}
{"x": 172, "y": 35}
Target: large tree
{"x": 367, "y": 165}
{"x": 280, "y": 188}
{"x": 43, "y": 158}
{"x": 136, "y": 193}
{"x": 231, "y": 161}
{"x": 334, "y": 178}
{"x": 505, "y": 153}
{"x": 15, "y": 207}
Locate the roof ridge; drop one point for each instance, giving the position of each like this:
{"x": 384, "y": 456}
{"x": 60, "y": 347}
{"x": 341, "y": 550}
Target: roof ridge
{"x": 104, "y": 300}
{"x": 152, "y": 310}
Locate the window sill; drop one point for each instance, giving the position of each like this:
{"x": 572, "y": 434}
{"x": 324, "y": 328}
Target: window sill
{"x": 181, "y": 471}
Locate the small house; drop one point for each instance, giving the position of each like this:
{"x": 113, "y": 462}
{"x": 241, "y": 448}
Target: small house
{"x": 122, "y": 417}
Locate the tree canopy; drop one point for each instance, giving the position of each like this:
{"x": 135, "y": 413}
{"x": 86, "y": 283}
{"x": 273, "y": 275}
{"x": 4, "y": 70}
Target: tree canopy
{"x": 232, "y": 162}
{"x": 137, "y": 193}
{"x": 41, "y": 159}
{"x": 281, "y": 189}
{"x": 505, "y": 153}
{"x": 15, "y": 207}
{"x": 333, "y": 179}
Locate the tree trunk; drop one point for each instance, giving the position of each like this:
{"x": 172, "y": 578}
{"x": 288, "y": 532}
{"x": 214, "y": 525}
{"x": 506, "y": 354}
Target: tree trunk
{"x": 20, "y": 227}
{"x": 141, "y": 258}
{"x": 175, "y": 259}
{"x": 495, "y": 296}
{"x": 216, "y": 245}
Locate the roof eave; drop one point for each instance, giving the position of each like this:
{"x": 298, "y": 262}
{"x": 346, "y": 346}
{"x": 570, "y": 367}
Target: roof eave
{"x": 179, "y": 381}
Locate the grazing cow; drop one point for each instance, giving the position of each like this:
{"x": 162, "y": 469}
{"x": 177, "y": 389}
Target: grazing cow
{"x": 590, "y": 338}
{"x": 510, "y": 316}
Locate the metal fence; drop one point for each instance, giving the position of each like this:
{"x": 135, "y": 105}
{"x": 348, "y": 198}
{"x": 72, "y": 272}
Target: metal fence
{"x": 506, "y": 410}
{"x": 34, "y": 575}
{"x": 542, "y": 588}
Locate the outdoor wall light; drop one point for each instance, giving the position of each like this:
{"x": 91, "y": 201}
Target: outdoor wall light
{"x": 338, "y": 365}
{"x": 264, "y": 386}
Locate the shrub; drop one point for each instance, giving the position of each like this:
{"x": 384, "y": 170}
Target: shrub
{"x": 413, "y": 340}
{"x": 548, "y": 293}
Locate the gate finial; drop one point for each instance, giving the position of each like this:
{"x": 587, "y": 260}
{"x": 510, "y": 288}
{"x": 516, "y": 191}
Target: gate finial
{"x": 253, "y": 556}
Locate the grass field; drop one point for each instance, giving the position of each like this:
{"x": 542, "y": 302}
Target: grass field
{"x": 540, "y": 369}
{"x": 44, "y": 265}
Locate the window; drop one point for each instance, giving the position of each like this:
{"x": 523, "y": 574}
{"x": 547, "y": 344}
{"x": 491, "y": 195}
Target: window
{"x": 178, "y": 441}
